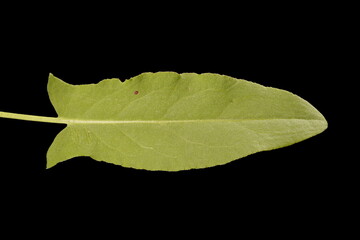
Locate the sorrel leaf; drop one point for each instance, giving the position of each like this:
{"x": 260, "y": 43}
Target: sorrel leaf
{"x": 169, "y": 121}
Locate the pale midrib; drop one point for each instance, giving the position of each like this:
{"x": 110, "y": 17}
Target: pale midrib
{"x": 59, "y": 120}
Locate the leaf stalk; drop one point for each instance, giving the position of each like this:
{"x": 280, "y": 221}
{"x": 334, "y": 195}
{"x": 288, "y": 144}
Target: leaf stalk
{"x": 33, "y": 118}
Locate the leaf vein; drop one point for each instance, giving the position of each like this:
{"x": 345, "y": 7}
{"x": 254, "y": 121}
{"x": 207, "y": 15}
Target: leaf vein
{"x": 109, "y": 146}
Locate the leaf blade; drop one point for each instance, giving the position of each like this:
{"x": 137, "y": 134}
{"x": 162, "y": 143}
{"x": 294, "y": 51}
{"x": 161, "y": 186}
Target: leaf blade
{"x": 174, "y": 121}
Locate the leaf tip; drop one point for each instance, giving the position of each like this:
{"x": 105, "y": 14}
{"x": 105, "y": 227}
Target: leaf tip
{"x": 325, "y": 124}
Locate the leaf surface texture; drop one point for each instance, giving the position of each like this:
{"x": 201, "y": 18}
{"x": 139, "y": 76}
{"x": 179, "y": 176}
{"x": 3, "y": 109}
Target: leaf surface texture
{"x": 169, "y": 121}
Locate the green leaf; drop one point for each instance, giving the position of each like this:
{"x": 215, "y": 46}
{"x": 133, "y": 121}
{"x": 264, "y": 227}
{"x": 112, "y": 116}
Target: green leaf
{"x": 169, "y": 121}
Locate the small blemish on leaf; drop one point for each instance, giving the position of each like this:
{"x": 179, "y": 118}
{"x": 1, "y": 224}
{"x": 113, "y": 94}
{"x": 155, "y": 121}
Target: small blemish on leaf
{"x": 136, "y": 92}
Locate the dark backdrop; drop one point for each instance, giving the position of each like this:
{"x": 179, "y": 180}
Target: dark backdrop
{"x": 286, "y": 52}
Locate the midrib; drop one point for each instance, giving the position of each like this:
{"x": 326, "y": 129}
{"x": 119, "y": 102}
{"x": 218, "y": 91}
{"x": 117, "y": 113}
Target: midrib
{"x": 59, "y": 120}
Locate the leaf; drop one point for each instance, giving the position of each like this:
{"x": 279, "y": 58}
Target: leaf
{"x": 169, "y": 121}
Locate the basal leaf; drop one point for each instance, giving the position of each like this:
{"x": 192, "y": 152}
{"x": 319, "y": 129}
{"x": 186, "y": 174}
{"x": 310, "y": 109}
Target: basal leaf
{"x": 169, "y": 121}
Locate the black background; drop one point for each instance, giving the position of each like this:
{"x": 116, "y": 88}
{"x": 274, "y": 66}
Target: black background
{"x": 289, "y": 50}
